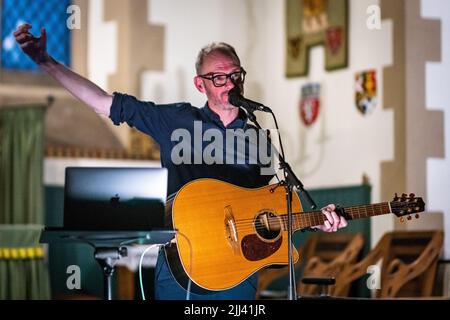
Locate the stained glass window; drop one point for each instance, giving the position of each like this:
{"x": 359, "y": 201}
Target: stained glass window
{"x": 50, "y": 14}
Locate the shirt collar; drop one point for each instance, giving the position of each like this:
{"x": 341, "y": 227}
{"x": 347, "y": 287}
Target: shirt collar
{"x": 239, "y": 122}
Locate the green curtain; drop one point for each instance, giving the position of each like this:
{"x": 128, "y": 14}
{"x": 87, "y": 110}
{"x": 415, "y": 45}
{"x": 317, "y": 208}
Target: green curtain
{"x": 21, "y": 165}
{"x": 23, "y": 270}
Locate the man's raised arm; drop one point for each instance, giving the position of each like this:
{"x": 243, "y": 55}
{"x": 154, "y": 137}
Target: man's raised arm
{"x": 80, "y": 87}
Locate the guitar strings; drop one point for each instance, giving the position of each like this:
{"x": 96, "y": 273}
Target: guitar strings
{"x": 355, "y": 211}
{"x": 245, "y": 225}
{"x": 306, "y": 220}
{"x": 283, "y": 217}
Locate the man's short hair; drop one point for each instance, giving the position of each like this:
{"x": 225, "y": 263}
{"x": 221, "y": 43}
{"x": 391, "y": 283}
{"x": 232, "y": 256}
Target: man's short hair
{"x": 221, "y": 47}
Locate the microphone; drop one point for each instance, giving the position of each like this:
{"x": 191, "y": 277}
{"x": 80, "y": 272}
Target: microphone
{"x": 236, "y": 99}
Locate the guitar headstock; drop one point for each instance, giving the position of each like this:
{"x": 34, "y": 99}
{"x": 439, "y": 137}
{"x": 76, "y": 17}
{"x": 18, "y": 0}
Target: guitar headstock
{"x": 407, "y": 205}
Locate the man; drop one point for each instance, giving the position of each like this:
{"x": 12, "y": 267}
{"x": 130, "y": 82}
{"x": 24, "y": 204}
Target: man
{"x": 218, "y": 71}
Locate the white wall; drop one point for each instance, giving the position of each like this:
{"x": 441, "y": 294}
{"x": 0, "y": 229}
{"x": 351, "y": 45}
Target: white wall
{"x": 342, "y": 145}
{"x": 102, "y": 45}
{"x": 438, "y": 98}
{"x": 190, "y": 25}
{"x": 102, "y": 56}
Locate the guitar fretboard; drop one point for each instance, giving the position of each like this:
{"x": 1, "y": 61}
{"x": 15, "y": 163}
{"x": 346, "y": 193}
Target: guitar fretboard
{"x": 302, "y": 220}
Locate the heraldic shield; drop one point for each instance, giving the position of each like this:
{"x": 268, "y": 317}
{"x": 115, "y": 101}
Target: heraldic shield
{"x": 366, "y": 91}
{"x": 309, "y": 103}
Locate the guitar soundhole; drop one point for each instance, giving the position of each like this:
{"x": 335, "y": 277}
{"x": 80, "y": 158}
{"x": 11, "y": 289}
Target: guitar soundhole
{"x": 267, "y": 225}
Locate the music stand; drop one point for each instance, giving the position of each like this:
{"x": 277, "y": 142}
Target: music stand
{"x": 109, "y": 246}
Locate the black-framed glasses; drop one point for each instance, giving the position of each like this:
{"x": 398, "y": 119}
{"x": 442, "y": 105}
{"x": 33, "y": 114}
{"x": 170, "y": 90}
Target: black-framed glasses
{"x": 220, "y": 79}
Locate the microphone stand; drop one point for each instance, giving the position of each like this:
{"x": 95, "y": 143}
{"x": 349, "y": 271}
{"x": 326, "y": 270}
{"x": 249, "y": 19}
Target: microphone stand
{"x": 291, "y": 182}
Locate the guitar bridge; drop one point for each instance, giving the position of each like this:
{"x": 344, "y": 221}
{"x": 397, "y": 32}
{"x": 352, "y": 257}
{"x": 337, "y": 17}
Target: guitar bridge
{"x": 231, "y": 230}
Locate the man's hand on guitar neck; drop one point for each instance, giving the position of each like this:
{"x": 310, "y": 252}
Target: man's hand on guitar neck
{"x": 334, "y": 221}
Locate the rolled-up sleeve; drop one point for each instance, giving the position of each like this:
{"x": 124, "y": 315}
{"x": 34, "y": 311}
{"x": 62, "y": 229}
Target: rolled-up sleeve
{"x": 148, "y": 117}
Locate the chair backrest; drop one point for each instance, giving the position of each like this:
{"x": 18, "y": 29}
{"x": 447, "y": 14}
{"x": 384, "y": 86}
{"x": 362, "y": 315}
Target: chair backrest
{"x": 409, "y": 262}
{"x": 324, "y": 251}
{"x": 326, "y": 256}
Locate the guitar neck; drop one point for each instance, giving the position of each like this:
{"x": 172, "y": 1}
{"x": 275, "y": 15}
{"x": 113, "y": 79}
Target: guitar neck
{"x": 302, "y": 220}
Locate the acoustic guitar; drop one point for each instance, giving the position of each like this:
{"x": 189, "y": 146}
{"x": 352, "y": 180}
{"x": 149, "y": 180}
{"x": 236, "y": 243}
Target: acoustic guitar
{"x": 225, "y": 233}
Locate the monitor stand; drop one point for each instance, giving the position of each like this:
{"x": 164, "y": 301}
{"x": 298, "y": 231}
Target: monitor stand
{"x": 107, "y": 258}
{"x": 110, "y": 246}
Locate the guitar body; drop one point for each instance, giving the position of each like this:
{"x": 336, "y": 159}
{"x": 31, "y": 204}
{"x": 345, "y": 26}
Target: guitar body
{"x": 226, "y": 233}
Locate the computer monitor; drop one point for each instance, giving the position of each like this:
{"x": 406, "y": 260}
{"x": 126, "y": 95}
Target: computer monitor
{"x": 99, "y": 198}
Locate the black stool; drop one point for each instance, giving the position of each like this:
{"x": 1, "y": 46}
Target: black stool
{"x": 323, "y": 284}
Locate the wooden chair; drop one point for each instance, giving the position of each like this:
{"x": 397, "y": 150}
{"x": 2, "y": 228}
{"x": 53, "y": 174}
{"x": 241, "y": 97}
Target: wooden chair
{"x": 329, "y": 252}
{"x": 409, "y": 262}
{"x": 332, "y": 254}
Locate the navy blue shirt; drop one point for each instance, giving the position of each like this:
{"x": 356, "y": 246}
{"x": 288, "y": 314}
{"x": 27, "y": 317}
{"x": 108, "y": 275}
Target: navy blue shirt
{"x": 167, "y": 124}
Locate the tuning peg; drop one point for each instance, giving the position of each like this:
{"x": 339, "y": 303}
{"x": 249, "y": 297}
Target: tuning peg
{"x": 417, "y": 216}
{"x": 412, "y": 195}
{"x": 404, "y": 196}
{"x": 395, "y": 196}
{"x": 402, "y": 219}
{"x": 408, "y": 217}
